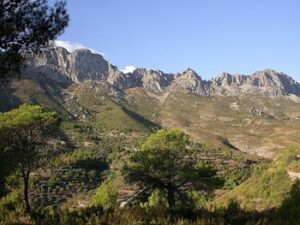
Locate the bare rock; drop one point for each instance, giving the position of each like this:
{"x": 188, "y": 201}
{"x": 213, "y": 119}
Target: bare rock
{"x": 82, "y": 65}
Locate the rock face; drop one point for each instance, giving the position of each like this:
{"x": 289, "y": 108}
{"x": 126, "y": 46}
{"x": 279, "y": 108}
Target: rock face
{"x": 81, "y": 65}
{"x": 60, "y": 65}
{"x": 266, "y": 82}
{"x": 154, "y": 80}
{"x": 189, "y": 81}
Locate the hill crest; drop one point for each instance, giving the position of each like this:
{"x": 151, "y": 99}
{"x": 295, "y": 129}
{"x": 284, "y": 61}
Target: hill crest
{"x": 82, "y": 65}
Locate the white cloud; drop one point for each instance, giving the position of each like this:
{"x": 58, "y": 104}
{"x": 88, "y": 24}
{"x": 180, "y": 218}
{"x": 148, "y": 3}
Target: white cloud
{"x": 71, "y": 46}
{"x": 128, "y": 69}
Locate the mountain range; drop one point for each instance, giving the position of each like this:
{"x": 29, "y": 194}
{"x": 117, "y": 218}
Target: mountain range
{"x": 82, "y": 65}
{"x": 258, "y": 114}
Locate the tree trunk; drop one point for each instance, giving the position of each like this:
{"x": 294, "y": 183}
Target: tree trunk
{"x": 171, "y": 197}
{"x": 26, "y": 190}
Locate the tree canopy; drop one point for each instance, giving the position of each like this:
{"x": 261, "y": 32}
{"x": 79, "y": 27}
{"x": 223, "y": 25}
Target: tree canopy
{"x": 24, "y": 133}
{"x": 25, "y": 27}
{"x": 164, "y": 162}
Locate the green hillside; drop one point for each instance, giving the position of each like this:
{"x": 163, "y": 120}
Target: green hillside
{"x": 253, "y": 124}
{"x": 102, "y": 127}
{"x": 268, "y": 186}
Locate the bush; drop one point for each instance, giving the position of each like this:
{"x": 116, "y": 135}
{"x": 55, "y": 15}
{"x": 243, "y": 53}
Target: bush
{"x": 155, "y": 200}
{"x": 198, "y": 199}
{"x": 106, "y": 196}
{"x": 11, "y": 206}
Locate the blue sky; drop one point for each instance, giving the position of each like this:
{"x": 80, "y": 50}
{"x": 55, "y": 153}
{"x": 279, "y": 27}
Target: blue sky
{"x": 210, "y": 36}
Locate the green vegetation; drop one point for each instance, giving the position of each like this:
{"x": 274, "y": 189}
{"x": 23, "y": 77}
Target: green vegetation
{"x": 114, "y": 117}
{"x": 263, "y": 195}
{"x": 26, "y": 27}
{"x": 268, "y": 186}
{"x": 265, "y": 189}
{"x": 164, "y": 163}
{"x": 24, "y": 133}
{"x": 210, "y": 119}
{"x": 289, "y": 160}
{"x": 100, "y": 135}
{"x": 141, "y": 103}
{"x": 106, "y": 196}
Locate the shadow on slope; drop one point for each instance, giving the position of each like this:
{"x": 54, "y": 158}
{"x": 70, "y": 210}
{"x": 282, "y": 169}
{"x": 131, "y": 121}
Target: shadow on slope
{"x": 38, "y": 90}
{"x": 147, "y": 123}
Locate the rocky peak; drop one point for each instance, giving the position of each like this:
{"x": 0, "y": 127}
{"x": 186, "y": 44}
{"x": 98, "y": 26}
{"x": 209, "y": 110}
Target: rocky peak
{"x": 191, "y": 74}
{"x": 52, "y": 63}
{"x": 275, "y": 83}
{"x": 59, "y": 64}
{"x": 227, "y": 79}
{"x": 224, "y": 79}
{"x": 189, "y": 81}
{"x": 82, "y": 65}
{"x": 122, "y": 80}
{"x": 266, "y": 78}
{"x": 82, "y": 51}
{"x": 153, "y": 80}
{"x": 267, "y": 82}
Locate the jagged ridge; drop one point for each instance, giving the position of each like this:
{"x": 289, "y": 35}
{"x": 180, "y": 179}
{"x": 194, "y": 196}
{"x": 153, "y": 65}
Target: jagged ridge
{"x": 81, "y": 65}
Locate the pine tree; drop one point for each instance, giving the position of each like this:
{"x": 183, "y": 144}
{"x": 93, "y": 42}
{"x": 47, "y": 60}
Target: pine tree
{"x": 25, "y": 27}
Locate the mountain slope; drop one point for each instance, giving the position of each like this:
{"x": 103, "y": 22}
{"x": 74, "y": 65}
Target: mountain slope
{"x": 257, "y": 114}
{"x": 251, "y": 123}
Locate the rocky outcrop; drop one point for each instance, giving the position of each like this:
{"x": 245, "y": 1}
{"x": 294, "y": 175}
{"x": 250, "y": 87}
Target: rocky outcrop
{"x": 154, "y": 80}
{"x": 266, "y": 82}
{"x": 81, "y": 65}
{"x": 228, "y": 84}
{"x": 274, "y": 83}
{"x": 151, "y": 80}
{"x": 60, "y": 65}
{"x": 189, "y": 81}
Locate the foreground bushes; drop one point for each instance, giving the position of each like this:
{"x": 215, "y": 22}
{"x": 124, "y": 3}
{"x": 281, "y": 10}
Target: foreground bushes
{"x": 153, "y": 216}
{"x": 154, "y": 212}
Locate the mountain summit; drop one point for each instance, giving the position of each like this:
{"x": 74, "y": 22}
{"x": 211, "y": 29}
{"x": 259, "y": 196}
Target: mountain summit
{"x": 64, "y": 67}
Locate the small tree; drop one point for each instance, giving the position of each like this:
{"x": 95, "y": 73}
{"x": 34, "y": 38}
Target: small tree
{"x": 25, "y": 27}
{"x": 106, "y": 196}
{"x": 24, "y": 133}
{"x": 164, "y": 162}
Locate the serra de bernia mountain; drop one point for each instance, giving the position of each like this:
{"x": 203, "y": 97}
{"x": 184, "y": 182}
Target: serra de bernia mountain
{"x": 82, "y": 65}
{"x": 237, "y": 122}
{"x": 240, "y": 120}
{"x": 257, "y": 114}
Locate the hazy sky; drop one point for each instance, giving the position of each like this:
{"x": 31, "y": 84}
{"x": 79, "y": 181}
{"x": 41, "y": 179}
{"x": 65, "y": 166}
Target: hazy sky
{"x": 210, "y": 36}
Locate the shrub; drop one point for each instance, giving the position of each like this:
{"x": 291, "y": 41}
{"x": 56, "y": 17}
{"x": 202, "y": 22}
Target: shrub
{"x": 10, "y": 205}
{"x": 156, "y": 199}
{"x": 106, "y": 196}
